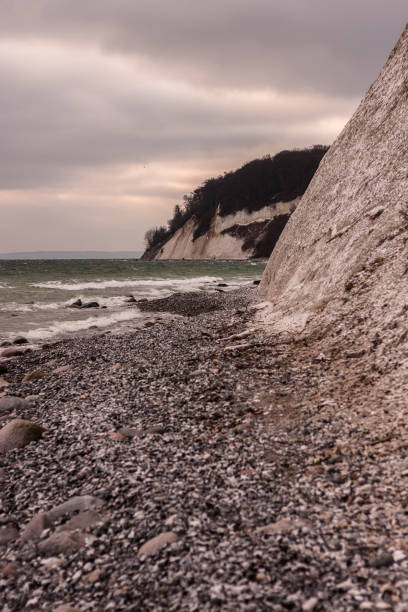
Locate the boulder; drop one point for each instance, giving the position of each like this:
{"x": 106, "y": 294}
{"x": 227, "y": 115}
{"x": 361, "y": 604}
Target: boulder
{"x": 90, "y": 305}
{"x": 10, "y": 403}
{"x": 12, "y": 352}
{"x": 76, "y": 304}
{"x": 158, "y": 542}
{"x": 20, "y": 340}
{"x": 62, "y": 542}
{"x": 5, "y": 343}
{"x": 36, "y": 526}
{"x": 34, "y": 375}
{"x": 7, "y": 535}
{"x": 19, "y": 433}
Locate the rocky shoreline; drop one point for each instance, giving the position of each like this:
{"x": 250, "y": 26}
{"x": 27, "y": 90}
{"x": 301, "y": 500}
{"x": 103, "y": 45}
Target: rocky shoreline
{"x": 198, "y": 464}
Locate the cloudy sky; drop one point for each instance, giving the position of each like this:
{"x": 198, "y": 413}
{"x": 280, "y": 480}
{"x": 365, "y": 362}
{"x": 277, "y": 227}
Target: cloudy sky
{"x": 111, "y": 110}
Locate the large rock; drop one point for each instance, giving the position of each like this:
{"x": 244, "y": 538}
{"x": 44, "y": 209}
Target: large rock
{"x": 19, "y": 433}
{"x": 156, "y": 543}
{"x": 12, "y": 352}
{"x": 344, "y": 247}
{"x": 9, "y": 404}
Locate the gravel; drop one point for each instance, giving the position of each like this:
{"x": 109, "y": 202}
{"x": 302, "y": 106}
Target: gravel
{"x": 278, "y": 491}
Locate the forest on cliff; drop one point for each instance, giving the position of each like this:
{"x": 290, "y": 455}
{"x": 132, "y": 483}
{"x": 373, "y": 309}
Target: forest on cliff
{"x": 258, "y": 183}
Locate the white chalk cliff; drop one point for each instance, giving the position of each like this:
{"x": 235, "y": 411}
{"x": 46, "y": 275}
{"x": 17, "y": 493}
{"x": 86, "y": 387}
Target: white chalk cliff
{"x": 226, "y": 236}
{"x": 345, "y": 248}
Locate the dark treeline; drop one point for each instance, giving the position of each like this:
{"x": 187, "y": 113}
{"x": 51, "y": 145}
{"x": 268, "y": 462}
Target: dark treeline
{"x": 261, "y": 182}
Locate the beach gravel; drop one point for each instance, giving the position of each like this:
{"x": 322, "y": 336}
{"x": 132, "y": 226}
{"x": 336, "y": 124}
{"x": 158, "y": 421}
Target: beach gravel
{"x": 266, "y": 488}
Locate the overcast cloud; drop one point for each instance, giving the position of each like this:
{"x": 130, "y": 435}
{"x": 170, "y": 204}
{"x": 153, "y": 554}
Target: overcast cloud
{"x": 111, "y": 110}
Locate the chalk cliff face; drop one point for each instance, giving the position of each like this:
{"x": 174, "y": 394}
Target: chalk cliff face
{"x": 345, "y": 248}
{"x": 235, "y": 236}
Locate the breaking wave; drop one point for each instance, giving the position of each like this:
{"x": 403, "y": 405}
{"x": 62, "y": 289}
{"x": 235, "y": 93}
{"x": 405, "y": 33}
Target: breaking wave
{"x": 184, "y": 283}
{"x": 57, "y": 328}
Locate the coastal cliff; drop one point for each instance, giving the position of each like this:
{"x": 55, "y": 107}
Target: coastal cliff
{"x": 241, "y": 235}
{"x": 345, "y": 246}
{"x": 239, "y": 215}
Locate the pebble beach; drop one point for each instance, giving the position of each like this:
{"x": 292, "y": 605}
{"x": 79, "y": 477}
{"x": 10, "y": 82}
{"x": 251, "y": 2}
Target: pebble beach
{"x": 199, "y": 464}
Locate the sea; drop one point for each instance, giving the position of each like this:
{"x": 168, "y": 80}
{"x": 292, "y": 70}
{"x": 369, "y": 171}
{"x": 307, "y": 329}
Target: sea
{"x": 35, "y": 295}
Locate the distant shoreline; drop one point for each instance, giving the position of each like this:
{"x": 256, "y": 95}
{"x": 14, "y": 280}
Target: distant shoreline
{"x": 71, "y": 255}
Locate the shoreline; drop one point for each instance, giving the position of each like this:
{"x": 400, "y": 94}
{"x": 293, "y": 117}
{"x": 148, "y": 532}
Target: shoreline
{"x": 278, "y": 492}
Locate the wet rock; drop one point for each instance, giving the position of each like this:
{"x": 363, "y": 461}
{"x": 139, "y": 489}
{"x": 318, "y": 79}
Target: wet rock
{"x": 76, "y": 304}
{"x": 62, "y": 542}
{"x": 7, "y": 535}
{"x": 256, "y": 282}
{"x": 20, "y": 340}
{"x": 158, "y": 542}
{"x": 90, "y": 305}
{"x": 3, "y": 368}
{"x": 5, "y": 343}
{"x": 34, "y": 375}
{"x": 19, "y": 433}
{"x": 383, "y": 560}
{"x": 12, "y": 352}
{"x": 10, "y": 403}
{"x": 222, "y": 285}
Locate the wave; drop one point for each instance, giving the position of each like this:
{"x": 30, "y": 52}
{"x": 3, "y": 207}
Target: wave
{"x": 112, "y": 284}
{"x": 70, "y": 327}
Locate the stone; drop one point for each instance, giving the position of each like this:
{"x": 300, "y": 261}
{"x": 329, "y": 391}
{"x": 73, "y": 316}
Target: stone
{"x": 10, "y": 570}
{"x": 158, "y": 542}
{"x": 36, "y": 526}
{"x": 90, "y": 305}
{"x": 76, "y": 304}
{"x": 310, "y": 604}
{"x": 20, "y": 340}
{"x": 79, "y": 503}
{"x": 3, "y": 368}
{"x": 12, "y": 352}
{"x": 61, "y": 369}
{"x": 11, "y": 403}
{"x": 115, "y": 435}
{"x": 281, "y": 526}
{"x": 92, "y": 577}
{"x": 5, "y": 343}
{"x": 83, "y": 520}
{"x": 8, "y": 534}
{"x": 34, "y": 375}
{"x": 62, "y": 542}
{"x": 19, "y": 433}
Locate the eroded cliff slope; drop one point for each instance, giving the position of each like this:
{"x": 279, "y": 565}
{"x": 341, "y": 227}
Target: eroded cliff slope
{"x": 345, "y": 247}
{"x": 236, "y": 236}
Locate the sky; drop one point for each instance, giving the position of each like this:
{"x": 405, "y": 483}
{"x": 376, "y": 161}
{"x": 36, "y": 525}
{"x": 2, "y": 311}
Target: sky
{"x": 112, "y": 110}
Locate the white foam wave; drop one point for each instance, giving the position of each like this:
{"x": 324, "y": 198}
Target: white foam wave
{"x": 145, "y": 282}
{"x": 57, "y": 328}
